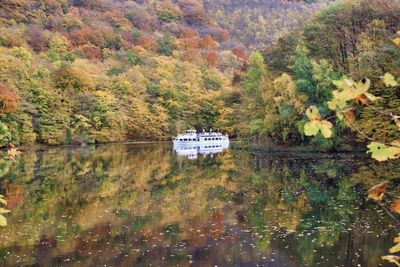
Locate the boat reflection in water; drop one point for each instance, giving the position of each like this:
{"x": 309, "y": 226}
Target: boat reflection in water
{"x": 192, "y": 144}
{"x": 193, "y": 151}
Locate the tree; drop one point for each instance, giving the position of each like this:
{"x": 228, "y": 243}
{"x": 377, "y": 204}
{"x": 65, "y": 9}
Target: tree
{"x": 167, "y": 45}
{"x": 8, "y": 99}
{"x": 255, "y": 74}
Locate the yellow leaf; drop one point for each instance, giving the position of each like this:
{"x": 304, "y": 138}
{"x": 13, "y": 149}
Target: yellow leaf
{"x": 3, "y": 220}
{"x": 397, "y": 120}
{"x": 326, "y": 129}
{"x": 396, "y": 41}
{"x": 311, "y": 128}
{"x": 393, "y": 259}
{"x": 313, "y": 113}
{"x": 389, "y": 80}
{"x": 2, "y": 200}
{"x": 395, "y": 249}
{"x": 377, "y": 192}
{"x": 13, "y": 153}
{"x": 382, "y": 152}
{"x": 2, "y": 211}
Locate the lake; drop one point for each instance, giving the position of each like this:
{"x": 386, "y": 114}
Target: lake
{"x": 145, "y": 205}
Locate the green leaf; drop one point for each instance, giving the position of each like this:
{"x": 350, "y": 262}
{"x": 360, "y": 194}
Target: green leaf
{"x": 389, "y": 80}
{"x": 382, "y": 152}
{"x": 3, "y": 220}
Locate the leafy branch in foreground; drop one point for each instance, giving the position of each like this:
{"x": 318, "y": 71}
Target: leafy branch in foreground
{"x": 352, "y": 93}
{"x": 346, "y": 98}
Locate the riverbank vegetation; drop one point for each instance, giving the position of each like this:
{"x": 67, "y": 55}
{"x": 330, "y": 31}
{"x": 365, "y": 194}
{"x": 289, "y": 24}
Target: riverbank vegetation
{"x": 109, "y": 71}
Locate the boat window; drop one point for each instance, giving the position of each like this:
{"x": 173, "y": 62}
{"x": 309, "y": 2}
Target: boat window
{"x": 185, "y": 139}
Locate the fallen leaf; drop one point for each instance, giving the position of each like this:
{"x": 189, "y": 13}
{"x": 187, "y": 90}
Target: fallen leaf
{"x": 377, "y": 192}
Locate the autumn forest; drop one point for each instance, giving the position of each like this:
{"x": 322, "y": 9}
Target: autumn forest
{"x": 287, "y": 76}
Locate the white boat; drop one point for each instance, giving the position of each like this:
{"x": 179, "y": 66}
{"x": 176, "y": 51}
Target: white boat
{"x": 190, "y": 144}
{"x": 204, "y": 139}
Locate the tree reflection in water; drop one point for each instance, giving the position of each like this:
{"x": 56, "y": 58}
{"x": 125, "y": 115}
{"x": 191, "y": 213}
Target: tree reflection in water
{"x": 136, "y": 205}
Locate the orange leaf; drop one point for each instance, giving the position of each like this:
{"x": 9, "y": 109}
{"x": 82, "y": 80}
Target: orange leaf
{"x": 396, "y": 205}
{"x": 378, "y": 191}
{"x": 362, "y": 100}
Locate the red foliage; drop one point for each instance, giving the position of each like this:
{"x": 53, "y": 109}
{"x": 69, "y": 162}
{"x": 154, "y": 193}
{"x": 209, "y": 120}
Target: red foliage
{"x": 8, "y": 99}
{"x": 92, "y": 52}
{"x": 147, "y": 42}
{"x": 193, "y": 13}
{"x": 212, "y": 58}
{"x": 188, "y": 33}
{"x": 208, "y": 43}
{"x": 15, "y": 196}
{"x": 143, "y": 21}
{"x": 85, "y": 36}
{"x": 36, "y": 38}
{"x": 191, "y": 55}
{"x": 78, "y": 37}
{"x": 187, "y": 43}
{"x": 219, "y": 34}
{"x": 240, "y": 53}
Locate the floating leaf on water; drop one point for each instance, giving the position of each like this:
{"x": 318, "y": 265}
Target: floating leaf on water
{"x": 392, "y": 258}
{"x": 377, "y": 192}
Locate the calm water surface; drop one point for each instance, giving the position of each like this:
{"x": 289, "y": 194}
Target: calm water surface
{"x": 143, "y": 205}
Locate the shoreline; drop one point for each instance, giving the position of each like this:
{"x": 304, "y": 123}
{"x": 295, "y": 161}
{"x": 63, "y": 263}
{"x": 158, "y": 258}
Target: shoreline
{"x": 234, "y": 144}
